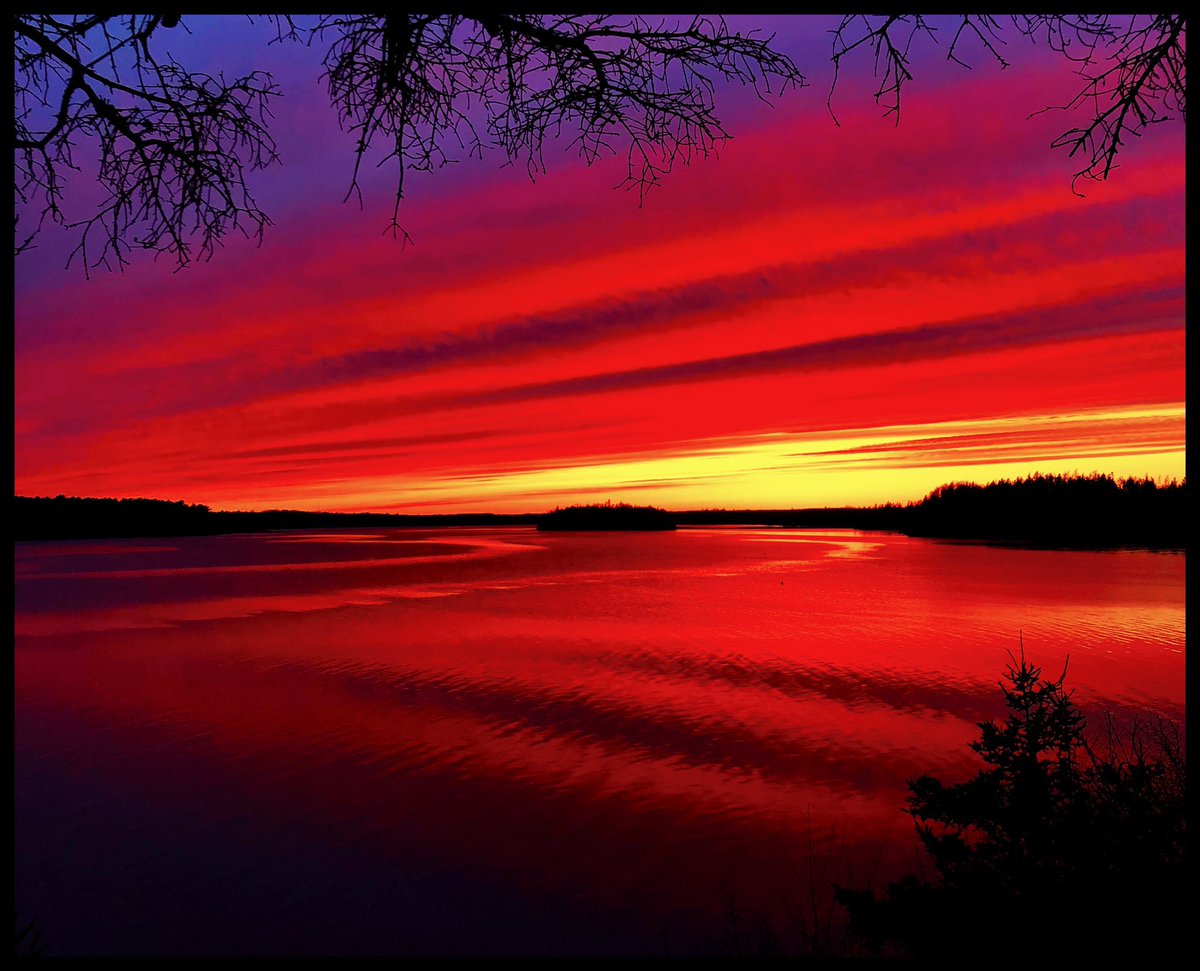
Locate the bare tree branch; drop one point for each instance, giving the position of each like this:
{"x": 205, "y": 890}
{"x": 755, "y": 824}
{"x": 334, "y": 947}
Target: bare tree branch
{"x": 174, "y": 146}
{"x": 890, "y": 52}
{"x": 419, "y": 91}
{"x": 1136, "y": 79}
{"x": 1133, "y": 68}
{"x": 431, "y": 86}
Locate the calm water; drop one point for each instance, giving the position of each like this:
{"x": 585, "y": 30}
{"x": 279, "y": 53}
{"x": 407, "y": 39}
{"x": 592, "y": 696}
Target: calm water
{"x": 500, "y": 741}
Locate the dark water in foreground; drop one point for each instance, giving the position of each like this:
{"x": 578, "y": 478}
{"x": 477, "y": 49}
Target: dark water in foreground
{"x": 500, "y": 741}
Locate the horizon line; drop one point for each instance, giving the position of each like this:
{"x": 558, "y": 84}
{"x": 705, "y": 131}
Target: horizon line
{"x": 1158, "y": 480}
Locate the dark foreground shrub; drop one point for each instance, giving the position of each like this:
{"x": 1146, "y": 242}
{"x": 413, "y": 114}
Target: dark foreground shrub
{"x": 1062, "y": 846}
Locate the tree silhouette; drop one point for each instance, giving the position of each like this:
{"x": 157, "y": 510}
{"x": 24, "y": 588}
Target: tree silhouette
{"x": 175, "y": 147}
{"x": 27, "y": 938}
{"x": 1058, "y": 846}
{"x": 1134, "y": 69}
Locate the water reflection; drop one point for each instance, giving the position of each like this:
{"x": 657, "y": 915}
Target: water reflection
{"x": 485, "y": 741}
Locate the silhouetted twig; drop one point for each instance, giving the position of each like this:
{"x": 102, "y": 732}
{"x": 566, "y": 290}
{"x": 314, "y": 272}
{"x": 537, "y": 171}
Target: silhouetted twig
{"x": 27, "y": 938}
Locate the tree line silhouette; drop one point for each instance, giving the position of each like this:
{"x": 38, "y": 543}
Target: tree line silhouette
{"x": 69, "y": 517}
{"x": 1053, "y": 510}
{"x": 607, "y": 516}
{"x": 1076, "y": 510}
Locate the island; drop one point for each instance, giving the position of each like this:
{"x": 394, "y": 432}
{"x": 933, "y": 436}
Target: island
{"x": 609, "y": 516}
{"x": 1052, "y": 511}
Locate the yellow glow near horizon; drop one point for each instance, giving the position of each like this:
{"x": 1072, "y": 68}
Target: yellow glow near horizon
{"x": 852, "y": 467}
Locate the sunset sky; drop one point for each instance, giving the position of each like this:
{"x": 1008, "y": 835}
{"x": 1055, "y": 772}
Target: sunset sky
{"x": 823, "y": 315}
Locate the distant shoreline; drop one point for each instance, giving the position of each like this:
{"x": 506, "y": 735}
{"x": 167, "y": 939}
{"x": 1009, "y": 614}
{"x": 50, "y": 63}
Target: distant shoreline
{"x": 1080, "y": 512}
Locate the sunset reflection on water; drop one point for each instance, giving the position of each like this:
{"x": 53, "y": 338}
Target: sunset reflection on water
{"x": 489, "y": 741}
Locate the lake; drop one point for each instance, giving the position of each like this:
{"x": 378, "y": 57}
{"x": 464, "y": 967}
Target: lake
{"x": 499, "y": 741}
